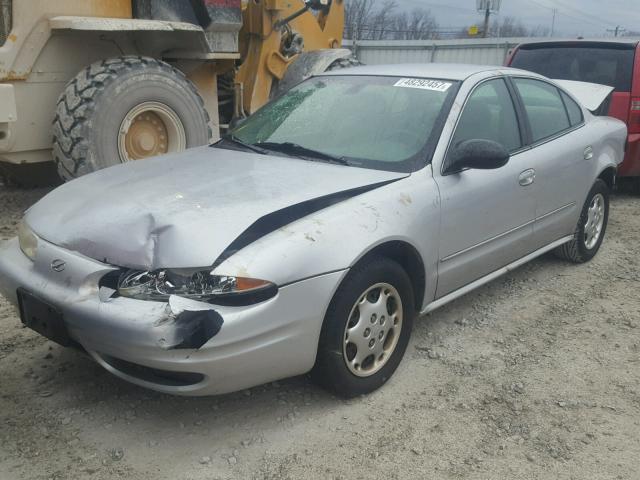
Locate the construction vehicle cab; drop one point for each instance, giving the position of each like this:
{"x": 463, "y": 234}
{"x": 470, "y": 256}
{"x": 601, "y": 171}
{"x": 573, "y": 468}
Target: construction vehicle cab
{"x": 89, "y": 84}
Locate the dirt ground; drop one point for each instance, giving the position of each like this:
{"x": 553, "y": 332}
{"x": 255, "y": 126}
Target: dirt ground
{"x": 535, "y": 376}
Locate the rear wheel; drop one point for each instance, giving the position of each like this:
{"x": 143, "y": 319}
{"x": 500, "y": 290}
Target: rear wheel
{"x": 126, "y": 109}
{"x": 366, "y": 329}
{"x": 591, "y": 227}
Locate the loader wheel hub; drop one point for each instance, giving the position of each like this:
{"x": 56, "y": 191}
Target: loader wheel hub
{"x": 150, "y": 129}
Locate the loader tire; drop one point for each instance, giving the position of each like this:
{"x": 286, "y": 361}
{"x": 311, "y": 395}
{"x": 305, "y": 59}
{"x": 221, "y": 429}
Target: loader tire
{"x": 124, "y": 109}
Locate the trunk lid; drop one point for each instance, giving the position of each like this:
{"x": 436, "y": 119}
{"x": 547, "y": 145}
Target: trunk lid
{"x": 590, "y": 95}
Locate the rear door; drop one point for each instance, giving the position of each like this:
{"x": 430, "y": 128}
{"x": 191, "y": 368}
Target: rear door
{"x": 606, "y": 63}
{"x": 560, "y": 151}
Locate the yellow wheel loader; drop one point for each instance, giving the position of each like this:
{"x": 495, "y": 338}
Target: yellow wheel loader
{"x": 85, "y": 84}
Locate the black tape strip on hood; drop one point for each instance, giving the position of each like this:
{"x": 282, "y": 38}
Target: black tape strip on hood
{"x": 281, "y": 218}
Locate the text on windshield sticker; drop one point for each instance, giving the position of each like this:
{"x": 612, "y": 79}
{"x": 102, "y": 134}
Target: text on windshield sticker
{"x": 424, "y": 84}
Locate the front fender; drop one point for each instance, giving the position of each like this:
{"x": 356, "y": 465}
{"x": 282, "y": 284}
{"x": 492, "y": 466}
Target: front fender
{"x": 334, "y": 239}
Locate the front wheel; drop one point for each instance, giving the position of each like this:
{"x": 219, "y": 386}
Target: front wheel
{"x": 366, "y": 329}
{"x": 591, "y": 226}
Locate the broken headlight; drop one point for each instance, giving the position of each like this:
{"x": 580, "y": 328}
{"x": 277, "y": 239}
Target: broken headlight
{"x": 200, "y": 285}
{"x": 28, "y": 241}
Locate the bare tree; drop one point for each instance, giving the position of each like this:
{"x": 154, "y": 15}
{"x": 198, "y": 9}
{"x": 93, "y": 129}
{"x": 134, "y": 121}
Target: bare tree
{"x": 510, "y": 27}
{"x": 420, "y": 24}
{"x": 382, "y": 20}
{"x": 379, "y": 20}
{"x": 539, "y": 31}
{"x": 357, "y": 16}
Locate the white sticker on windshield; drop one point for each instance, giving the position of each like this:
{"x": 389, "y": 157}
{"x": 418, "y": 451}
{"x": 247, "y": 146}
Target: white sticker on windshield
{"x": 424, "y": 84}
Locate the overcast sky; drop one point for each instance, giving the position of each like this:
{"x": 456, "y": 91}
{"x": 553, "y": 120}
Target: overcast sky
{"x": 573, "y": 17}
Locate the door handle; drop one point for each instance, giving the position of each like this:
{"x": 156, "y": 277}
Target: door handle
{"x": 588, "y": 153}
{"x": 527, "y": 177}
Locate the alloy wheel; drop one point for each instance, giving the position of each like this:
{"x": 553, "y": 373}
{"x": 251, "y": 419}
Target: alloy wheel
{"x": 373, "y": 330}
{"x": 595, "y": 221}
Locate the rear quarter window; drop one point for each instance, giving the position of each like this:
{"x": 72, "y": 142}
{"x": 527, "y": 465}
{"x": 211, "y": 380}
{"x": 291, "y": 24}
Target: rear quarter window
{"x": 606, "y": 65}
{"x": 573, "y": 109}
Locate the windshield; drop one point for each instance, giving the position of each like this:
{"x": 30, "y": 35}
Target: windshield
{"x": 610, "y": 65}
{"x": 385, "y": 123}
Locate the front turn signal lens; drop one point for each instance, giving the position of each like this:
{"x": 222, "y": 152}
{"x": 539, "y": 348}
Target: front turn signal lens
{"x": 28, "y": 241}
{"x": 247, "y": 284}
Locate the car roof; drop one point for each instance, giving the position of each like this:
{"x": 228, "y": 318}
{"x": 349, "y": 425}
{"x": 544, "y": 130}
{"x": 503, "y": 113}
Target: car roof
{"x": 446, "y": 71}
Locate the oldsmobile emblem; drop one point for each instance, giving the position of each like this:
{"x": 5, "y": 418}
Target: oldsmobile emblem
{"x": 58, "y": 265}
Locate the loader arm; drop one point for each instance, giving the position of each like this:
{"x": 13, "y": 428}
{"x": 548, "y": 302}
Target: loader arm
{"x": 265, "y": 61}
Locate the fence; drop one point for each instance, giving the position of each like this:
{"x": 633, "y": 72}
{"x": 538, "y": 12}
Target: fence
{"x": 490, "y": 51}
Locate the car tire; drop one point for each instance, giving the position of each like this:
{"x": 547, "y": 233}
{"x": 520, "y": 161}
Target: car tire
{"x": 379, "y": 340}
{"x": 124, "y": 109}
{"x": 595, "y": 214}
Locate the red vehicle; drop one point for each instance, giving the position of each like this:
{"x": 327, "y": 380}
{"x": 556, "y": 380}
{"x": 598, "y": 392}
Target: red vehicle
{"x": 614, "y": 63}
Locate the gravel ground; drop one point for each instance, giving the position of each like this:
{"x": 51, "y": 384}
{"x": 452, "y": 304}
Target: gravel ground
{"x": 534, "y": 376}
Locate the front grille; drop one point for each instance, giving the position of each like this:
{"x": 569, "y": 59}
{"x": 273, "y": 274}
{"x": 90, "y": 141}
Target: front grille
{"x": 5, "y": 20}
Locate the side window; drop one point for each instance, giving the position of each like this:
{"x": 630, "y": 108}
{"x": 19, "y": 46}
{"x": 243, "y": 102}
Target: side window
{"x": 489, "y": 114}
{"x": 574, "y": 110}
{"x": 544, "y": 107}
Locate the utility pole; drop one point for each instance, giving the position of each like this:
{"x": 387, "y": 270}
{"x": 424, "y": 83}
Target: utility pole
{"x": 553, "y": 22}
{"x": 487, "y": 7}
{"x": 616, "y": 31}
{"x": 487, "y": 14}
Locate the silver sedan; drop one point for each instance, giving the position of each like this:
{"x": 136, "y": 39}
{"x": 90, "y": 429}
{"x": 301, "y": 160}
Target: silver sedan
{"x": 311, "y": 237}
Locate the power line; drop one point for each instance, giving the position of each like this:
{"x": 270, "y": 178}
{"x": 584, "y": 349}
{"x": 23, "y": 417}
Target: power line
{"x": 584, "y": 14}
{"x": 586, "y": 18}
{"x": 617, "y": 30}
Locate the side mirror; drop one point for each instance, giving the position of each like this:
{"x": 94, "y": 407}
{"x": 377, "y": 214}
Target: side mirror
{"x": 477, "y": 154}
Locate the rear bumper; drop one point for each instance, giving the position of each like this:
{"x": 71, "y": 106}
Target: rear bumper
{"x": 630, "y": 167}
{"x": 256, "y": 344}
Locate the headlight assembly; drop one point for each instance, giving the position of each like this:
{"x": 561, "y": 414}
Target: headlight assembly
{"x": 28, "y": 241}
{"x": 200, "y": 285}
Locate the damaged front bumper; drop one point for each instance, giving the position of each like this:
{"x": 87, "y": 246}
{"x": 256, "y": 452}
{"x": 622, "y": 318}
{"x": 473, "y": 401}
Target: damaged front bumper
{"x": 146, "y": 342}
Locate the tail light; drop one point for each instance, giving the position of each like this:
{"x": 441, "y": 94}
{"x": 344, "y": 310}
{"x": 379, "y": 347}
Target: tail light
{"x": 634, "y": 115}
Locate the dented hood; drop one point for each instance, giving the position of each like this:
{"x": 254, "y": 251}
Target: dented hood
{"x": 183, "y": 210}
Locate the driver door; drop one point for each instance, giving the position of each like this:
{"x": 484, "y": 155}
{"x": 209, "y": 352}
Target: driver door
{"x": 487, "y": 215}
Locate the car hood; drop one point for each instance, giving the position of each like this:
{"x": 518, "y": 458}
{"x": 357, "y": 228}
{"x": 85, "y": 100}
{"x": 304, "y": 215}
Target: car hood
{"x": 185, "y": 210}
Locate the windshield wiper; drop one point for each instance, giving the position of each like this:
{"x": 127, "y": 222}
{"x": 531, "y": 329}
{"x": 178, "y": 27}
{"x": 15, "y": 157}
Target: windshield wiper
{"x": 248, "y": 146}
{"x": 300, "y": 151}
